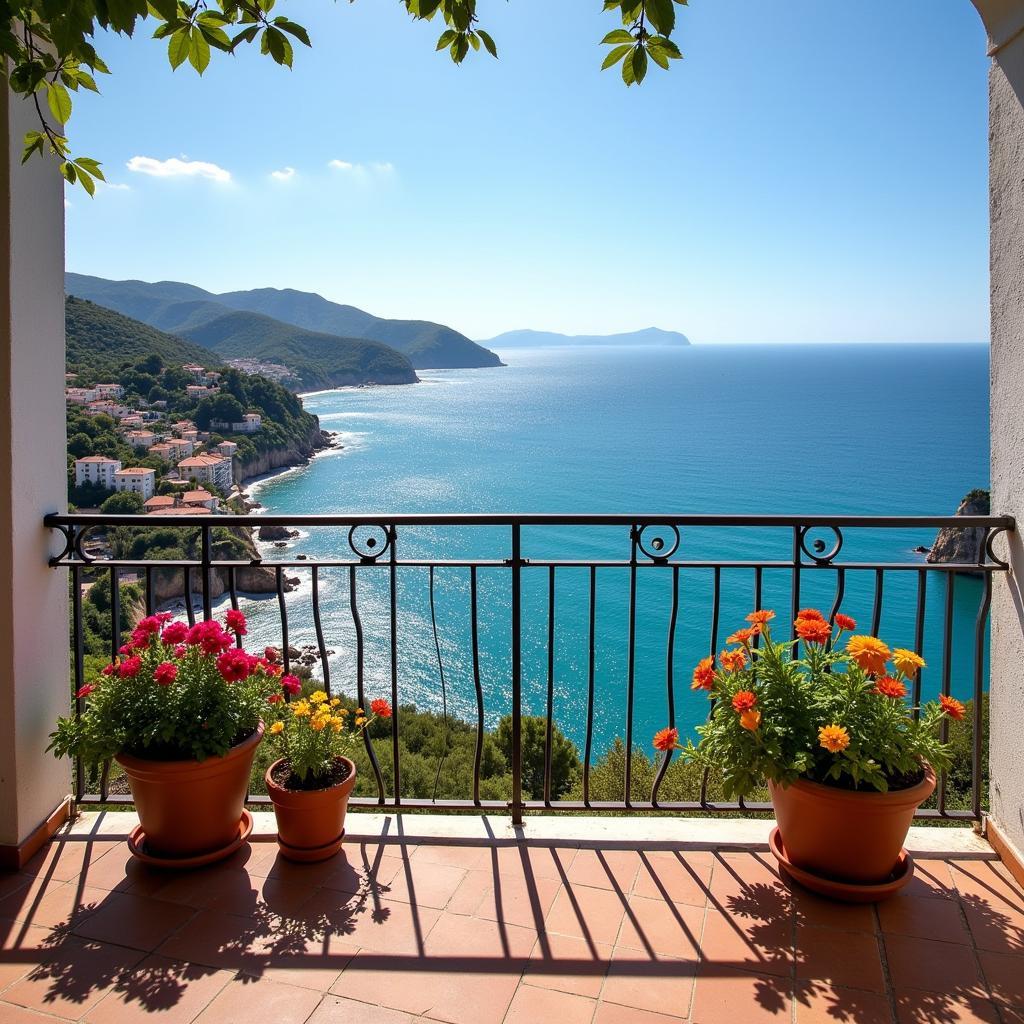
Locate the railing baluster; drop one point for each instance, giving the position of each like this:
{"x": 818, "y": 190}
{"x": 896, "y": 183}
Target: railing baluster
{"x": 947, "y": 674}
{"x": 190, "y": 612}
{"x": 282, "y": 607}
{"x": 318, "y": 626}
{"x": 795, "y": 594}
{"x": 150, "y": 593}
{"x": 357, "y": 625}
{"x": 206, "y": 558}
{"x": 393, "y": 579}
{"x": 758, "y": 586}
{"x": 630, "y": 669}
{"x": 115, "y": 613}
{"x": 715, "y": 608}
{"x": 550, "y": 707}
{"x": 876, "y": 611}
{"x": 233, "y": 594}
{"x": 922, "y": 593}
{"x": 517, "y": 674}
{"x": 978, "y": 694}
{"x": 79, "y": 668}
{"x": 589, "y": 745}
{"x": 670, "y": 681}
{"x": 478, "y": 753}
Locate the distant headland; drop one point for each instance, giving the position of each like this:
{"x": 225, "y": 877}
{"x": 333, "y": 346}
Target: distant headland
{"x": 545, "y": 339}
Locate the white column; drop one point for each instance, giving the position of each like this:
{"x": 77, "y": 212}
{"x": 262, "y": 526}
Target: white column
{"x": 34, "y": 686}
{"x": 1004, "y": 20}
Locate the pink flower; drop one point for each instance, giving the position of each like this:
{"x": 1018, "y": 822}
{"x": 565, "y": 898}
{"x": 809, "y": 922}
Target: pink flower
{"x": 108, "y": 670}
{"x": 209, "y": 636}
{"x": 175, "y": 633}
{"x": 291, "y": 685}
{"x": 84, "y": 691}
{"x": 235, "y": 621}
{"x": 165, "y": 673}
{"x": 150, "y": 625}
{"x": 234, "y": 666}
{"x": 275, "y": 698}
{"x": 180, "y": 651}
{"x": 130, "y": 667}
{"x": 272, "y": 654}
{"x": 124, "y": 650}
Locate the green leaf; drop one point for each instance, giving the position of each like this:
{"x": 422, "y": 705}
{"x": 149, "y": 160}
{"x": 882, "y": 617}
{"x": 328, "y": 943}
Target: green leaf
{"x": 293, "y": 30}
{"x": 473, "y": 41}
{"x": 618, "y": 35}
{"x": 446, "y": 38}
{"x": 34, "y": 142}
{"x": 488, "y": 43}
{"x": 85, "y": 180}
{"x": 658, "y": 56}
{"x": 198, "y": 50}
{"x": 165, "y": 9}
{"x": 628, "y": 71}
{"x": 247, "y": 35}
{"x": 614, "y": 56}
{"x": 661, "y": 14}
{"x": 459, "y": 49}
{"x": 639, "y": 61}
{"x": 67, "y": 169}
{"x": 59, "y": 100}
{"x": 92, "y": 166}
{"x": 277, "y": 45}
{"x": 178, "y": 47}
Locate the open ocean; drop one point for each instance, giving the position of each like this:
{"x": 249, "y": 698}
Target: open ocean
{"x": 775, "y": 429}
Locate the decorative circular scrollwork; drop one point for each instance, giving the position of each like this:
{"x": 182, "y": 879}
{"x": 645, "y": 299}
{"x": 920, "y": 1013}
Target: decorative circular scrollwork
{"x": 369, "y": 542}
{"x": 990, "y": 550}
{"x": 68, "y": 539}
{"x": 816, "y": 548}
{"x": 661, "y": 542}
{"x": 80, "y": 538}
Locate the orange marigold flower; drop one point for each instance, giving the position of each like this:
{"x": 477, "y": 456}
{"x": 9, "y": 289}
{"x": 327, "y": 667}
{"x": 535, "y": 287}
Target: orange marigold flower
{"x": 908, "y": 662}
{"x": 869, "y": 652}
{"x": 733, "y": 661}
{"x": 666, "y": 739}
{"x": 751, "y": 720}
{"x": 834, "y": 738}
{"x": 761, "y": 617}
{"x": 812, "y": 631}
{"x": 952, "y": 707}
{"x": 743, "y": 636}
{"x": 704, "y": 674}
{"x": 810, "y": 613}
{"x": 844, "y": 622}
{"x": 744, "y": 700}
{"x": 887, "y": 686}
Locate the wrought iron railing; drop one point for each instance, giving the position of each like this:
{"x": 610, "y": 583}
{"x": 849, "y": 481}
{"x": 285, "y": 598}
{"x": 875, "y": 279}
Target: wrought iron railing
{"x": 667, "y": 579}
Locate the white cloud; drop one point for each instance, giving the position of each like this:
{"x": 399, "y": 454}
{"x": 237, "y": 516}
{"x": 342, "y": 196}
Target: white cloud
{"x": 175, "y": 168}
{"x": 384, "y": 167}
{"x": 364, "y": 172}
{"x": 116, "y": 186}
{"x": 341, "y": 165}
{"x": 284, "y": 174}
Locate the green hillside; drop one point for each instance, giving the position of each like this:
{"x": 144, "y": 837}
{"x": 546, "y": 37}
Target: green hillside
{"x": 100, "y": 343}
{"x": 319, "y": 360}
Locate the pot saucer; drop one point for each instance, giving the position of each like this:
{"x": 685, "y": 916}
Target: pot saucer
{"x": 137, "y": 845}
{"x": 310, "y": 854}
{"x": 846, "y": 892}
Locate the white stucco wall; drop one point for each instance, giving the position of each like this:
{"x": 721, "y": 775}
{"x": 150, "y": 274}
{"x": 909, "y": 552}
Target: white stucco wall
{"x": 33, "y": 598}
{"x": 1006, "y": 90}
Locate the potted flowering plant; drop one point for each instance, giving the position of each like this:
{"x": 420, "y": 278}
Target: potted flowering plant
{"x": 847, "y": 759}
{"x": 181, "y": 711}
{"x": 312, "y": 780}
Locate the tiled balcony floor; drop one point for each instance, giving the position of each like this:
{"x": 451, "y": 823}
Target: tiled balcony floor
{"x": 599, "y": 926}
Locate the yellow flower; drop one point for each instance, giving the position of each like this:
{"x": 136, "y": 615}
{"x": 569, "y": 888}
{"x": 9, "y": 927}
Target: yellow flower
{"x": 908, "y": 662}
{"x": 869, "y": 652}
{"x": 276, "y": 728}
{"x": 300, "y": 709}
{"x": 335, "y": 701}
{"x": 317, "y": 724}
{"x": 337, "y": 724}
{"x": 360, "y": 711}
{"x": 834, "y": 738}
{"x": 318, "y": 697}
{"x": 361, "y": 720}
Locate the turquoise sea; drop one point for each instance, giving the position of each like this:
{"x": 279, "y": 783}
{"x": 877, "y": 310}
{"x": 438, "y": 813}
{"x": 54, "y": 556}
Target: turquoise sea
{"x": 797, "y": 429}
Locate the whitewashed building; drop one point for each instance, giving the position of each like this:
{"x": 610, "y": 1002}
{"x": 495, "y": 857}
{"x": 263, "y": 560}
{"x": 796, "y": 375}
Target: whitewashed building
{"x": 207, "y": 469}
{"x": 137, "y": 479}
{"x": 96, "y": 469}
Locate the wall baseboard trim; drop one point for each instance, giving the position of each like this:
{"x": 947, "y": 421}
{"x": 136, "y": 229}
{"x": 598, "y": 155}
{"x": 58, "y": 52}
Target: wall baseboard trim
{"x": 1008, "y": 853}
{"x": 13, "y": 858}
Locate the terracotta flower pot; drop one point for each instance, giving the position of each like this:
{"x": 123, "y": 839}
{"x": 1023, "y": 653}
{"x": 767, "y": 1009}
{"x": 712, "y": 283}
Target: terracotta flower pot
{"x": 310, "y": 822}
{"x": 846, "y": 835}
{"x": 191, "y": 808}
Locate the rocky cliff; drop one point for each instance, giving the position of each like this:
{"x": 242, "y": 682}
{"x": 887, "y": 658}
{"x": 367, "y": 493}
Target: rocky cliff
{"x": 281, "y": 458}
{"x": 955, "y": 544}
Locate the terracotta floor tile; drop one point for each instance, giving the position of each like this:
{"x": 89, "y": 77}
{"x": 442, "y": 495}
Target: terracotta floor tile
{"x": 932, "y": 879}
{"x": 335, "y": 1010}
{"x": 73, "y": 978}
{"x": 837, "y": 958}
{"x": 660, "y": 927}
{"x": 426, "y": 885}
{"x": 460, "y": 937}
{"x": 614, "y": 1013}
{"x": 214, "y": 939}
{"x": 244, "y": 1000}
{"x": 12, "y": 881}
{"x": 725, "y": 996}
{"x": 738, "y": 878}
{"x": 986, "y": 881}
{"x": 816, "y": 1003}
{"x": 948, "y": 1008}
{"x": 160, "y": 989}
{"x": 10, "y": 1014}
{"x": 63, "y": 860}
{"x": 467, "y": 855}
{"x": 659, "y": 985}
{"x": 56, "y": 906}
{"x": 384, "y": 926}
{"x": 117, "y": 870}
{"x": 352, "y": 873}
{"x": 510, "y": 898}
{"x": 1005, "y": 975}
{"x": 605, "y": 869}
{"x": 816, "y": 911}
{"x": 535, "y": 861}
{"x": 923, "y": 918}
{"x": 137, "y": 921}
{"x": 752, "y": 944}
{"x": 588, "y": 913}
{"x": 930, "y": 965}
{"x": 568, "y": 964}
{"x": 995, "y": 926}
{"x": 532, "y": 1005}
{"x": 677, "y": 877}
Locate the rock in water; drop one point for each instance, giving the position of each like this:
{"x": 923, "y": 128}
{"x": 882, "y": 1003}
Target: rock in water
{"x": 963, "y": 545}
{"x": 274, "y": 533}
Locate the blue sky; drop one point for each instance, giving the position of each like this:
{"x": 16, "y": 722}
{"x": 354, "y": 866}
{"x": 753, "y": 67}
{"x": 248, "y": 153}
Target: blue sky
{"x": 812, "y": 171}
